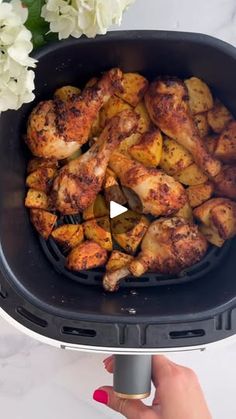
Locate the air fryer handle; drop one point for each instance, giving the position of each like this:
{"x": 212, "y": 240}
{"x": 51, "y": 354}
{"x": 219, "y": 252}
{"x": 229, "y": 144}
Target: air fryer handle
{"x": 132, "y": 376}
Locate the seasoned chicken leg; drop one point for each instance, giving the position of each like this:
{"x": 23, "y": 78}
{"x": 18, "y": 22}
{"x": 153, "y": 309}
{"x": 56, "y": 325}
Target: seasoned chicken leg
{"x": 57, "y": 129}
{"x": 167, "y": 104}
{"x": 159, "y": 193}
{"x": 169, "y": 246}
{"x": 78, "y": 183}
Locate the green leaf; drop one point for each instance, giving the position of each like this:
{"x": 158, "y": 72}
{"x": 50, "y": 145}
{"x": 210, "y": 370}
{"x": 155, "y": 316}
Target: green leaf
{"x": 36, "y": 24}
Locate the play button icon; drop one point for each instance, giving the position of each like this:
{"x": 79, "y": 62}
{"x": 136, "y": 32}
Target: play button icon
{"x": 116, "y": 209}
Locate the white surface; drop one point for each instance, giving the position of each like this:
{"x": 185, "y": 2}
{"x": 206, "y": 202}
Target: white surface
{"x": 116, "y": 209}
{"x": 38, "y": 381}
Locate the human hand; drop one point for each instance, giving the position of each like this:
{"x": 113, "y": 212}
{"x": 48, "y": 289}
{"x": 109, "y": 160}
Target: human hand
{"x": 178, "y": 394}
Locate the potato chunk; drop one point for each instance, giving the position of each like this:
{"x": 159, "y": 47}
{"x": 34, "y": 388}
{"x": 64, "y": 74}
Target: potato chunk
{"x": 211, "y": 235}
{"x": 185, "y": 212}
{"x": 144, "y": 122}
{"x": 134, "y": 88}
{"x": 38, "y": 162}
{"x": 220, "y": 215}
{"x": 36, "y": 199}
{"x": 85, "y": 256}
{"x": 128, "y": 230}
{"x": 148, "y": 150}
{"x": 113, "y": 191}
{"x": 202, "y": 124}
{"x": 116, "y": 269}
{"x": 225, "y": 182}
{"x": 128, "y": 142}
{"x": 43, "y": 221}
{"x": 66, "y": 92}
{"x": 200, "y": 97}
{"x": 174, "y": 157}
{"x": 191, "y": 175}
{"x": 226, "y": 144}
{"x": 97, "y": 209}
{"x": 198, "y": 194}
{"x": 210, "y": 142}
{"x": 114, "y": 106}
{"x": 41, "y": 179}
{"x": 99, "y": 230}
{"x": 68, "y": 235}
{"x": 219, "y": 117}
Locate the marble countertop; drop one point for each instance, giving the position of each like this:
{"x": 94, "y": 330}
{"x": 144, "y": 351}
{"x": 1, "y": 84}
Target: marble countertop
{"x": 38, "y": 381}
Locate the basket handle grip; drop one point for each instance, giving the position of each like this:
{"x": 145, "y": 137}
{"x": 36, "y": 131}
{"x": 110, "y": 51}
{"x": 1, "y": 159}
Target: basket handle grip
{"x": 132, "y": 376}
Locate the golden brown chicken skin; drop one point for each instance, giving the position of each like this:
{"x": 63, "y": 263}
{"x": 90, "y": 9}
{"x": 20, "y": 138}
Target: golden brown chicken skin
{"x": 57, "y": 129}
{"x": 167, "y": 104}
{"x": 169, "y": 246}
{"x": 159, "y": 193}
{"x": 79, "y": 182}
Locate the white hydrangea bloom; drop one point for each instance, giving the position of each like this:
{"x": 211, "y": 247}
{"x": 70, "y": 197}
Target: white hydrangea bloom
{"x": 16, "y": 80}
{"x": 88, "y": 17}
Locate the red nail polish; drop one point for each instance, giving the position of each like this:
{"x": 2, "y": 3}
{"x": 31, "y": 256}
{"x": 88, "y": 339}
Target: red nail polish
{"x": 100, "y": 396}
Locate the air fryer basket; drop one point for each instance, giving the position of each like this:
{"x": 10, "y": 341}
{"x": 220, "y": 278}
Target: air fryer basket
{"x": 198, "y": 308}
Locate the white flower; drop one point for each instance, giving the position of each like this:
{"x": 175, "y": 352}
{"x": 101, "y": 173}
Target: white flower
{"x": 16, "y": 80}
{"x": 88, "y": 17}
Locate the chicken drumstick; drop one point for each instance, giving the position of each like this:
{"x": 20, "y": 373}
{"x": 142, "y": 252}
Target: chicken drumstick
{"x": 57, "y": 129}
{"x": 78, "y": 183}
{"x": 167, "y": 104}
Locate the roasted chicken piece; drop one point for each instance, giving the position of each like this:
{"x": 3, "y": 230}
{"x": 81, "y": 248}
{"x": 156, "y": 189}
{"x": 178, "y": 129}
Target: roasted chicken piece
{"x": 159, "y": 193}
{"x": 167, "y": 104}
{"x": 78, "y": 183}
{"x": 169, "y": 246}
{"x": 116, "y": 270}
{"x": 56, "y": 129}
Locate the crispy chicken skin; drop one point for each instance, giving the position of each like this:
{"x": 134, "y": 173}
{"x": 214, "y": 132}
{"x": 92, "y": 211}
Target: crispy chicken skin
{"x": 79, "y": 182}
{"x": 169, "y": 246}
{"x": 57, "y": 129}
{"x": 159, "y": 193}
{"x": 167, "y": 104}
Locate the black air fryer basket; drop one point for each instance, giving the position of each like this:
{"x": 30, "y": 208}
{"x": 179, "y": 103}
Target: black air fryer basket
{"x": 37, "y": 292}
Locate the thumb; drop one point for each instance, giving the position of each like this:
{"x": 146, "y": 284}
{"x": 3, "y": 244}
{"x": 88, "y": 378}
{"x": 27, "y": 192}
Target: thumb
{"x": 131, "y": 409}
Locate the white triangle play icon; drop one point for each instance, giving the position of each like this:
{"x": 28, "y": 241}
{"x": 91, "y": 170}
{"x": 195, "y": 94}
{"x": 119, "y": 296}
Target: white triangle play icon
{"x": 116, "y": 209}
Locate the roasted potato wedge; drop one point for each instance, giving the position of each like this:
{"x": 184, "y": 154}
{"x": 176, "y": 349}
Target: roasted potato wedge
{"x": 220, "y": 215}
{"x": 125, "y": 145}
{"x": 144, "y": 122}
{"x": 36, "y": 199}
{"x": 191, "y": 175}
{"x": 99, "y": 230}
{"x": 114, "y": 106}
{"x": 225, "y": 182}
{"x": 87, "y": 255}
{"x": 148, "y": 150}
{"x": 41, "y": 179}
{"x": 68, "y": 235}
{"x": 201, "y": 122}
{"x": 113, "y": 191}
{"x": 198, "y": 194}
{"x": 223, "y": 218}
{"x": 200, "y": 97}
{"x": 37, "y": 163}
{"x": 97, "y": 209}
{"x": 174, "y": 158}
{"x": 128, "y": 230}
{"x": 66, "y": 92}
{"x": 219, "y": 117}
{"x": 185, "y": 212}
{"x": 211, "y": 235}
{"x": 134, "y": 88}
{"x": 226, "y": 145}
{"x": 116, "y": 269}
{"x": 43, "y": 221}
